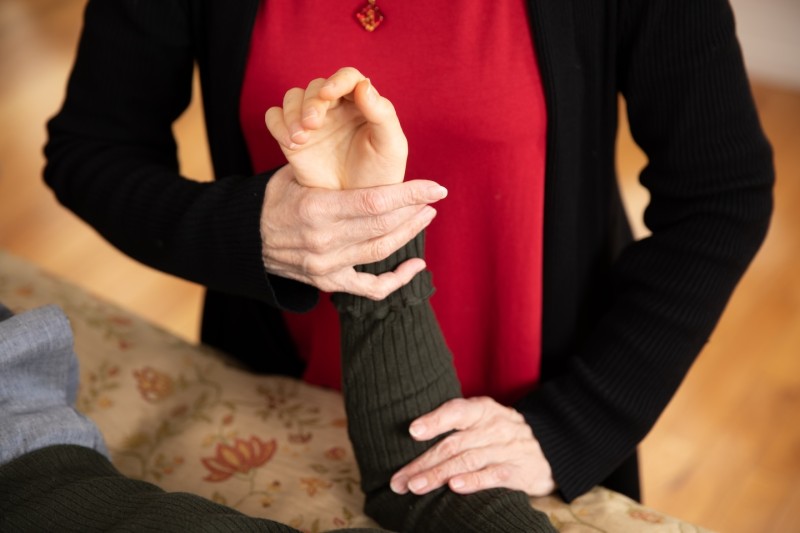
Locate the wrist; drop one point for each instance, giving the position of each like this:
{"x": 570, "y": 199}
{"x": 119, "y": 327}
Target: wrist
{"x": 415, "y": 292}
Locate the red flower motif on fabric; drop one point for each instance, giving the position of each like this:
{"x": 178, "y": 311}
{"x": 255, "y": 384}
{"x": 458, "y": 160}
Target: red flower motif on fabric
{"x": 337, "y": 453}
{"x": 239, "y": 458}
{"x": 152, "y": 384}
{"x": 646, "y": 516}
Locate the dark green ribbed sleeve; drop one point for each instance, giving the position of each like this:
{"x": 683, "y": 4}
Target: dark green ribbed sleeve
{"x": 396, "y": 366}
{"x": 71, "y": 488}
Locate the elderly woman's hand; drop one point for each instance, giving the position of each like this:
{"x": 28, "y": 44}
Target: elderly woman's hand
{"x": 492, "y": 446}
{"x": 339, "y": 133}
{"x": 317, "y": 235}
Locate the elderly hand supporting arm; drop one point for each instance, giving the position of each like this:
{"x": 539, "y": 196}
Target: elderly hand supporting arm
{"x": 342, "y": 201}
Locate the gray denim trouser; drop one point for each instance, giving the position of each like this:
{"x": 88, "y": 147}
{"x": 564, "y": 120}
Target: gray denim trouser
{"x": 39, "y": 385}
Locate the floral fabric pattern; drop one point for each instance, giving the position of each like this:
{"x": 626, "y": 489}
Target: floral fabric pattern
{"x": 239, "y": 458}
{"x": 181, "y": 417}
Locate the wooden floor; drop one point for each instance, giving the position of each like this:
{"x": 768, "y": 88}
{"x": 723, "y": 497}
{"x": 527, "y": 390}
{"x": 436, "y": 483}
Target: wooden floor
{"x": 725, "y": 455}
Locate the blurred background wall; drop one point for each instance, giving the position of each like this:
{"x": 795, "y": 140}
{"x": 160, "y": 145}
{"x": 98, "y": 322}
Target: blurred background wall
{"x": 770, "y": 34}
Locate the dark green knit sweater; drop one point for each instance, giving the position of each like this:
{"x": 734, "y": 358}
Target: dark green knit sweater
{"x": 396, "y": 366}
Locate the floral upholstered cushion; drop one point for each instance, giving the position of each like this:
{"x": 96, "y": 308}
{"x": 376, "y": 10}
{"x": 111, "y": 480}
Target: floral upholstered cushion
{"x": 179, "y": 416}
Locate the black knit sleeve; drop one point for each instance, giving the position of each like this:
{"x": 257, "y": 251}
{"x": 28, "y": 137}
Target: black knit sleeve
{"x": 111, "y": 155}
{"x": 710, "y": 177}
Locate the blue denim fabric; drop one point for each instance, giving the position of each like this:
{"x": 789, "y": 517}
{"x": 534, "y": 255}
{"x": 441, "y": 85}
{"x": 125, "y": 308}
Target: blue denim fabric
{"x": 39, "y": 385}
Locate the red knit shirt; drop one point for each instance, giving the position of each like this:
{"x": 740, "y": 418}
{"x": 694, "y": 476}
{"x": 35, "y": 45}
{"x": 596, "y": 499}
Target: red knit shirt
{"x": 464, "y": 80}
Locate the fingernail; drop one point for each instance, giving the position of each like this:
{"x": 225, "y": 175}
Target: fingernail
{"x": 417, "y": 484}
{"x": 371, "y": 92}
{"x": 311, "y": 112}
{"x": 399, "y": 485}
{"x": 298, "y": 135}
{"x": 457, "y": 483}
{"x": 429, "y": 212}
{"x": 438, "y": 191}
{"x": 416, "y": 430}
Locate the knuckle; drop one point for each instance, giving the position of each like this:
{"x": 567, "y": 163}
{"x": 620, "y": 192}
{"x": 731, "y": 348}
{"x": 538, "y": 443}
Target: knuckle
{"x": 315, "y": 266}
{"x": 432, "y": 419}
{"x": 380, "y": 249}
{"x": 292, "y": 95}
{"x": 348, "y": 71}
{"x": 486, "y": 405}
{"x": 469, "y": 460}
{"x": 377, "y": 294}
{"x": 459, "y": 406}
{"x": 373, "y": 202}
{"x": 381, "y": 225}
{"x": 319, "y": 242}
{"x": 481, "y": 400}
{"x": 308, "y": 209}
{"x": 516, "y": 416}
{"x": 316, "y": 82}
{"x": 449, "y": 446}
{"x": 440, "y": 473}
{"x": 501, "y": 474}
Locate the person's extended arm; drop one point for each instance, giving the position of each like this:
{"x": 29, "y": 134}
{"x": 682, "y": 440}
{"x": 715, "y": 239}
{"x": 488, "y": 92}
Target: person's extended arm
{"x": 111, "y": 158}
{"x": 710, "y": 179}
{"x": 396, "y": 366}
{"x": 395, "y": 362}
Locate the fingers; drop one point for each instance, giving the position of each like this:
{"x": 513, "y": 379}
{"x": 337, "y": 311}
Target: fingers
{"x": 380, "y": 113}
{"x": 341, "y": 84}
{"x": 379, "y": 287}
{"x": 374, "y": 201}
{"x": 302, "y": 110}
{"x": 358, "y": 283}
{"x": 473, "y": 469}
{"x": 307, "y": 111}
{"x": 492, "y": 446}
{"x": 278, "y": 128}
{"x": 452, "y": 415}
{"x": 478, "y": 423}
{"x": 309, "y": 236}
{"x": 321, "y": 221}
{"x": 490, "y": 477}
{"x": 535, "y": 480}
{"x": 313, "y": 108}
{"x": 292, "y": 104}
{"x": 348, "y": 83}
{"x": 323, "y": 253}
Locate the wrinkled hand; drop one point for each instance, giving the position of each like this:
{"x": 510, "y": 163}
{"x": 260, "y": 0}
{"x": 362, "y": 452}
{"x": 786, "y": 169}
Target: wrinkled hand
{"x": 492, "y": 447}
{"x": 316, "y": 235}
{"x": 339, "y": 133}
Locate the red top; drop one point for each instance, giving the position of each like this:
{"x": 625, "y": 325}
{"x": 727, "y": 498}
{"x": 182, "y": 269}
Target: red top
{"x": 464, "y": 79}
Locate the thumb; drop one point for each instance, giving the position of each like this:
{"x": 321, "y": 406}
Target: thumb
{"x": 387, "y": 134}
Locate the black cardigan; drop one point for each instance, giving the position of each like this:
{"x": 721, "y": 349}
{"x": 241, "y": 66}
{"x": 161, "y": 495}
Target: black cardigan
{"x": 623, "y": 321}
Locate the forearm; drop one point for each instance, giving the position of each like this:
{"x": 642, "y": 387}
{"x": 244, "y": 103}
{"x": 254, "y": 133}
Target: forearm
{"x": 206, "y": 233}
{"x": 710, "y": 179}
{"x": 396, "y": 367}
{"x": 111, "y": 155}
{"x": 404, "y": 330}
{"x": 72, "y": 488}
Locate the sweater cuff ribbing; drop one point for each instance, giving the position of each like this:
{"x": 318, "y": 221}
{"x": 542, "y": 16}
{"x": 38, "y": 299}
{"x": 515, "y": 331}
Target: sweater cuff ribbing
{"x": 415, "y": 292}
